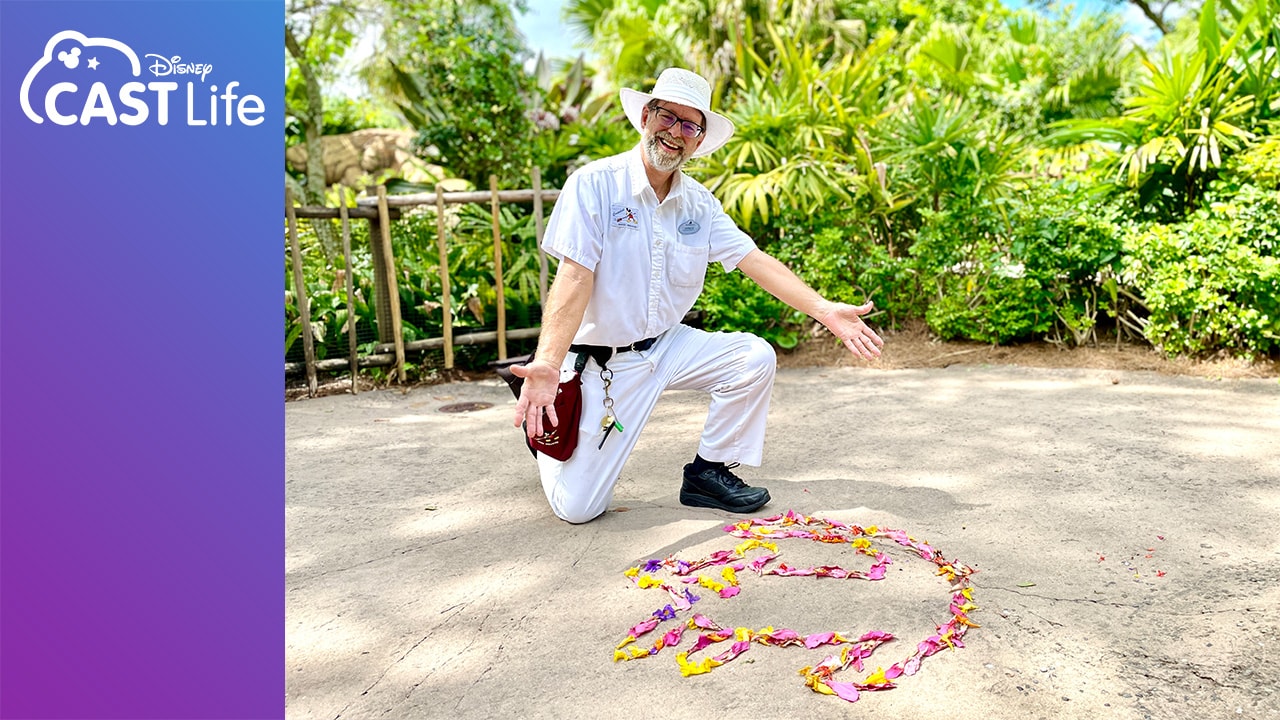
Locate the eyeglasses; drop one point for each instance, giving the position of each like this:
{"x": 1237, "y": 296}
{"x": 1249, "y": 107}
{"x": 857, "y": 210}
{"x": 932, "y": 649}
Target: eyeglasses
{"x": 688, "y": 128}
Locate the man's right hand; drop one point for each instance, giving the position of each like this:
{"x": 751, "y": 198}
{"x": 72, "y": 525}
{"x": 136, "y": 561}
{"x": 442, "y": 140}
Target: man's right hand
{"x": 541, "y": 382}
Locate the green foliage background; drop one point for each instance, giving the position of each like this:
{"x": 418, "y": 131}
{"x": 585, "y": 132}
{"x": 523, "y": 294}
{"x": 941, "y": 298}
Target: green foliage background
{"x": 1000, "y": 175}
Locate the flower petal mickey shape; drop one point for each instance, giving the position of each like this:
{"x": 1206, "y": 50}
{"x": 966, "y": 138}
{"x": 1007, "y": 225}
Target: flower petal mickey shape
{"x": 762, "y": 535}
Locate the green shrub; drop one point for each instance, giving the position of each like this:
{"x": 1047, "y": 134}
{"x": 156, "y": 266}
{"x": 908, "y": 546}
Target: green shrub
{"x": 1070, "y": 240}
{"x": 981, "y": 289}
{"x": 733, "y": 302}
{"x": 1212, "y": 282}
{"x": 843, "y": 263}
{"x": 995, "y": 309}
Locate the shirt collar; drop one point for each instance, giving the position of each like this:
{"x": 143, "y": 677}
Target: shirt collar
{"x": 640, "y": 180}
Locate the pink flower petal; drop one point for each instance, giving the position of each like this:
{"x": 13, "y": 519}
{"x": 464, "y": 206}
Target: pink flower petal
{"x": 844, "y": 690}
{"x": 816, "y": 639}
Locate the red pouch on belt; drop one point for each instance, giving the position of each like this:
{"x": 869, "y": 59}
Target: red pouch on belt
{"x": 560, "y": 441}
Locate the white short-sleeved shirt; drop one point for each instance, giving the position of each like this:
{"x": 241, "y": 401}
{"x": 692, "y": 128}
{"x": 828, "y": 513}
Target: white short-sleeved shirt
{"x": 649, "y": 259}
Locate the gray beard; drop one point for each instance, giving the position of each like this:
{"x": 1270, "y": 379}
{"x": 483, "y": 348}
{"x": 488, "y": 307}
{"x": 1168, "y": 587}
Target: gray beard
{"x": 660, "y": 158}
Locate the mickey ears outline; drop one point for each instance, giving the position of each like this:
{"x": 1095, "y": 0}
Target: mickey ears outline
{"x": 74, "y": 56}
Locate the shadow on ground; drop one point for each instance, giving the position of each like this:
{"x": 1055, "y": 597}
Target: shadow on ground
{"x": 1124, "y": 525}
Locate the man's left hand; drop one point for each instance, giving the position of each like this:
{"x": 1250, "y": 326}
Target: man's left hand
{"x": 845, "y": 322}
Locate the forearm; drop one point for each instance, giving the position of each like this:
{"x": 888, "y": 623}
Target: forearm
{"x": 779, "y": 281}
{"x": 566, "y": 304}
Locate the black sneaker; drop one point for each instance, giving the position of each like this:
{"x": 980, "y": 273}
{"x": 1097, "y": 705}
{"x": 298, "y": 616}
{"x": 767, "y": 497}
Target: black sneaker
{"x": 718, "y": 488}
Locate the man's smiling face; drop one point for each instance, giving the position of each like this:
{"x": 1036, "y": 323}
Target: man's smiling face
{"x": 666, "y": 144}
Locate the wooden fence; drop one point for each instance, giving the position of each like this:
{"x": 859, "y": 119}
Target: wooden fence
{"x": 379, "y": 211}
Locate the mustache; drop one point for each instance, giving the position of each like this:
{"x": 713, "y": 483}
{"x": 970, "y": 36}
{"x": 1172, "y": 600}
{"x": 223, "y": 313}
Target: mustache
{"x": 669, "y": 138}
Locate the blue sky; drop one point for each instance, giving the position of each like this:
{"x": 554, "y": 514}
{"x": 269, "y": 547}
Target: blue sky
{"x": 542, "y": 28}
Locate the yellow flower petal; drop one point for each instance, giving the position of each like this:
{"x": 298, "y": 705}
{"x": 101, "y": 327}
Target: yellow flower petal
{"x": 710, "y": 584}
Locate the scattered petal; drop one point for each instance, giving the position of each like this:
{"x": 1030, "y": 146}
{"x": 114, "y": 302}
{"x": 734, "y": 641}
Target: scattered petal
{"x": 844, "y": 691}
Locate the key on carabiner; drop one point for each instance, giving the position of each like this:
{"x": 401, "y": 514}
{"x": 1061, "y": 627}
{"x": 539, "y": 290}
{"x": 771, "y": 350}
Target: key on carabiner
{"x": 608, "y": 423}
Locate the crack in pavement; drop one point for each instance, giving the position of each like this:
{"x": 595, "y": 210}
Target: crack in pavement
{"x": 459, "y": 607}
{"x": 475, "y": 682}
{"x": 1129, "y": 606}
{"x": 302, "y": 582}
{"x": 590, "y": 541}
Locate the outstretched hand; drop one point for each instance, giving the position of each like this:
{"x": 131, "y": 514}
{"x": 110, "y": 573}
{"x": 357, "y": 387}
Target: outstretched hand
{"x": 845, "y": 322}
{"x": 541, "y": 382}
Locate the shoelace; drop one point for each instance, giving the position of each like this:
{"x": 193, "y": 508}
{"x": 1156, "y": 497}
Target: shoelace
{"x": 730, "y": 479}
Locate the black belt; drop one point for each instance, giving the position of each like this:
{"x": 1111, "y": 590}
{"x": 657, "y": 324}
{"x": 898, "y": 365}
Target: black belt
{"x": 603, "y": 353}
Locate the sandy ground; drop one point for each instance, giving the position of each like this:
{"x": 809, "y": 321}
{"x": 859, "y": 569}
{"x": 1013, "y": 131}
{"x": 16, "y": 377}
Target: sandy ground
{"x": 1125, "y": 525}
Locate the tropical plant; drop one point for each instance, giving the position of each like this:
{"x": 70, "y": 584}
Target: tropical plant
{"x": 574, "y": 122}
{"x": 948, "y": 151}
{"x": 316, "y": 34}
{"x": 454, "y": 70}
{"x": 1191, "y": 111}
{"x": 794, "y": 144}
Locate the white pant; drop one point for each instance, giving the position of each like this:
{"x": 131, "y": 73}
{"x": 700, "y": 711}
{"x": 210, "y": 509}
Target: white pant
{"x": 736, "y": 368}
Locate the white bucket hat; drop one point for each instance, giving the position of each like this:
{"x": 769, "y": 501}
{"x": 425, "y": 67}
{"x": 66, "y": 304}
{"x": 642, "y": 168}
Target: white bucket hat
{"x": 686, "y": 88}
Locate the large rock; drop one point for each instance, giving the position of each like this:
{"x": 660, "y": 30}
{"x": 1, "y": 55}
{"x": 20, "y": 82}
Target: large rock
{"x": 357, "y": 159}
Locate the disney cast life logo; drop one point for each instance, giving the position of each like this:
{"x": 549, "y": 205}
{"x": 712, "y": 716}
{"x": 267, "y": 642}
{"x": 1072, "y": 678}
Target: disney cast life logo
{"x": 82, "y": 80}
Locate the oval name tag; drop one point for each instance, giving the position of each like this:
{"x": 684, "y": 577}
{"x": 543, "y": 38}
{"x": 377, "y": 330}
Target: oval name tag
{"x": 689, "y": 227}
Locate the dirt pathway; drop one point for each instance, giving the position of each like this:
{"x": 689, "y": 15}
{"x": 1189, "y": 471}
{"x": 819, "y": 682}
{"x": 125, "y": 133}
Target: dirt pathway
{"x": 1125, "y": 526}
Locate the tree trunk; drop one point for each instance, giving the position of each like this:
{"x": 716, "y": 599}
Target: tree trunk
{"x": 313, "y": 123}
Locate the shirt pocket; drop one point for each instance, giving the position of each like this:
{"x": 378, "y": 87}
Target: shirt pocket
{"x": 687, "y": 264}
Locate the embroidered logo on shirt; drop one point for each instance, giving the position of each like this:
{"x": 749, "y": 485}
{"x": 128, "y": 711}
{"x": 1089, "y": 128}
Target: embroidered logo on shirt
{"x": 624, "y": 217}
{"x": 688, "y": 227}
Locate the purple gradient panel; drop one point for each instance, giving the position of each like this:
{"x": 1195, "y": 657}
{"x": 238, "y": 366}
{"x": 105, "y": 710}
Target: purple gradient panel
{"x": 141, "y": 434}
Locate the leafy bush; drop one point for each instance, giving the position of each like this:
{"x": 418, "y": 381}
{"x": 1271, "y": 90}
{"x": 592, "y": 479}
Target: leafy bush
{"x": 327, "y": 296}
{"x": 731, "y": 301}
{"x": 1212, "y": 282}
{"x": 1069, "y": 240}
{"x": 842, "y": 261}
{"x": 459, "y": 82}
{"x": 996, "y": 310}
{"x": 982, "y": 292}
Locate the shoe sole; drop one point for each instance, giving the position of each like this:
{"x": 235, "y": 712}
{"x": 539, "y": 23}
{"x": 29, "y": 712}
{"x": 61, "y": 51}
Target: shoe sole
{"x": 696, "y": 500}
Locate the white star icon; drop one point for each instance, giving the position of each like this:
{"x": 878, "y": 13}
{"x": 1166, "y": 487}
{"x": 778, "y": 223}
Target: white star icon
{"x": 93, "y": 63}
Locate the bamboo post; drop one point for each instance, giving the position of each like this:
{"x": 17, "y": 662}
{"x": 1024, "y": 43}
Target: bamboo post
{"x": 497, "y": 270}
{"x": 381, "y": 297}
{"x": 300, "y": 288}
{"x": 537, "y": 229}
{"x": 351, "y": 293}
{"x": 393, "y": 289}
{"x": 446, "y": 299}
